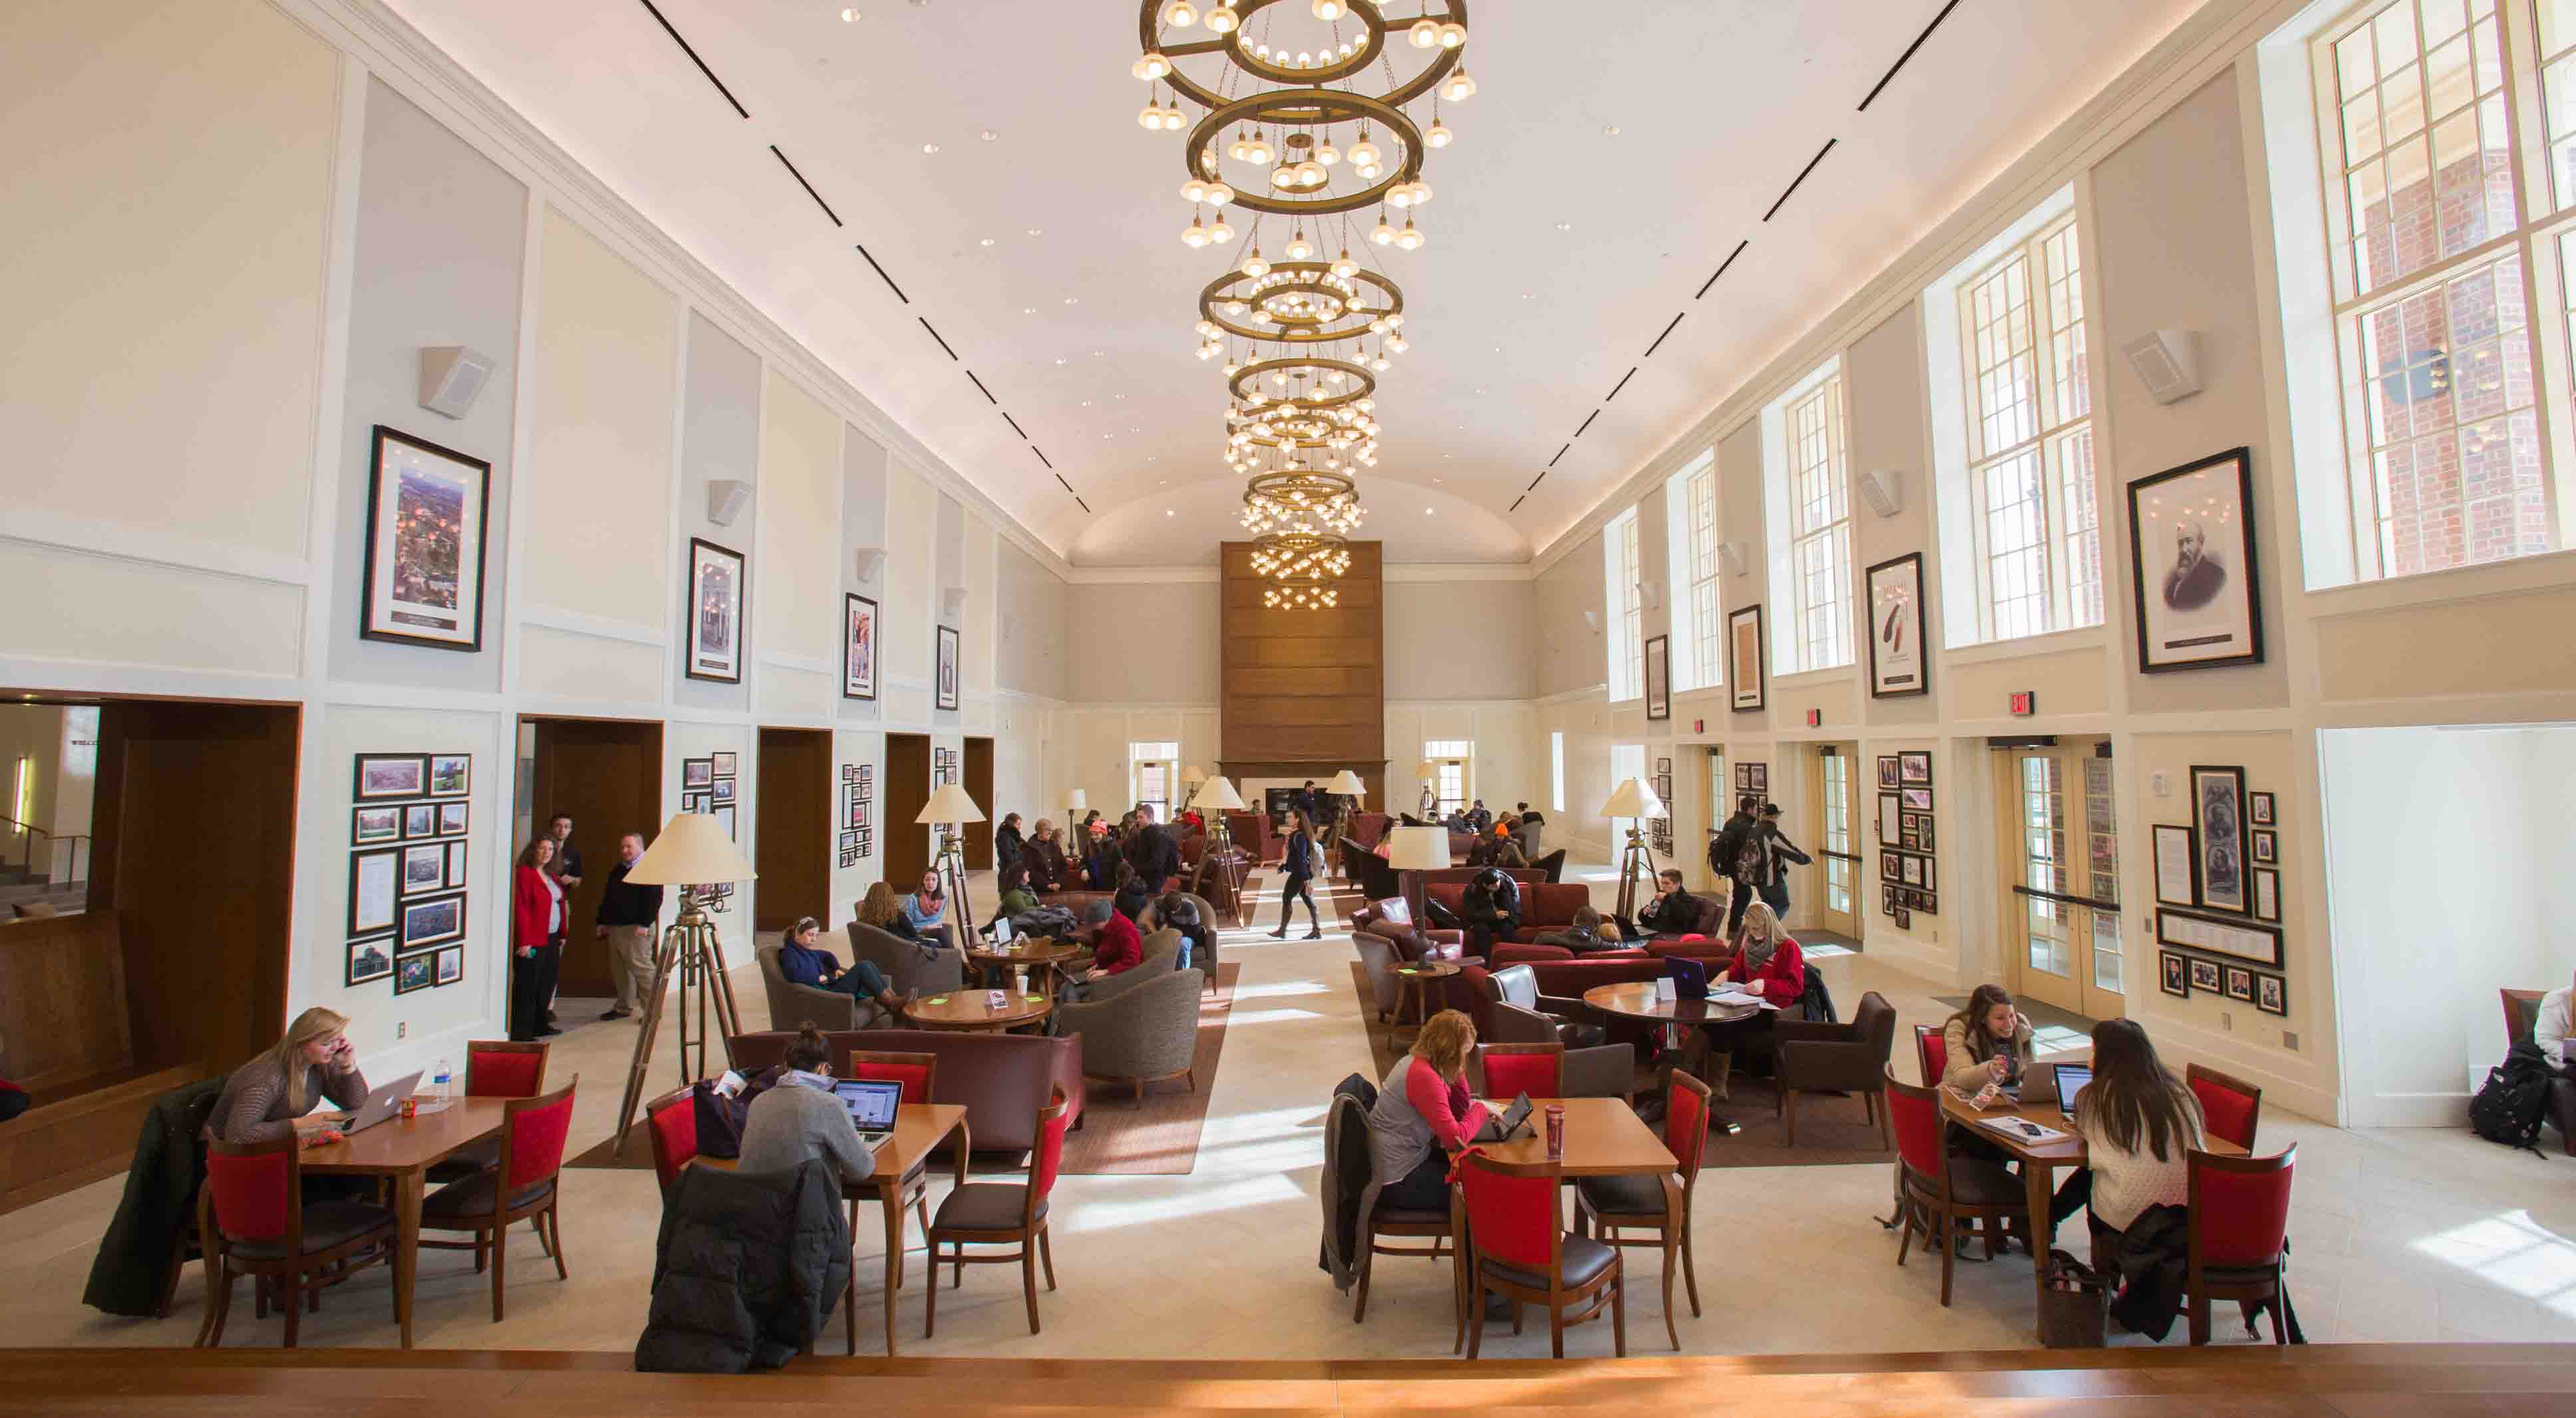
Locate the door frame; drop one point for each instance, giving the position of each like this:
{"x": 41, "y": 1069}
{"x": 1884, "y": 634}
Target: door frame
{"x": 2077, "y": 992}
{"x": 1845, "y": 923}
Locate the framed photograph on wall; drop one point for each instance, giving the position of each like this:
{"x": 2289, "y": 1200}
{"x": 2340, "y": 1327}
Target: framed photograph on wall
{"x": 1659, "y": 677}
{"x": 2271, "y": 993}
{"x": 2191, "y": 538}
{"x": 451, "y": 819}
{"x": 858, "y": 647}
{"x": 722, "y": 762}
{"x": 1887, "y": 770}
{"x": 2218, "y": 812}
{"x": 375, "y": 884}
{"x": 456, "y": 864}
{"x": 947, "y": 667}
{"x": 723, "y": 790}
{"x": 1891, "y": 818}
{"x": 2258, "y": 809}
{"x": 2204, "y": 976}
{"x": 1916, "y": 799}
{"x": 426, "y": 511}
{"x": 724, "y": 819}
{"x": 391, "y": 775}
{"x": 369, "y": 959}
{"x": 451, "y": 965}
{"x": 374, "y": 824}
{"x": 1914, "y": 767}
{"x": 715, "y": 604}
{"x": 433, "y": 921}
{"x": 2172, "y": 974}
{"x": 1744, "y": 656}
{"x": 415, "y": 972}
{"x": 2177, "y": 866}
{"x": 424, "y": 868}
{"x": 2264, "y": 846}
{"x": 1896, "y": 661}
{"x": 420, "y": 820}
{"x": 1887, "y": 898}
{"x": 2240, "y": 983}
{"x": 1759, "y": 775}
{"x": 451, "y": 775}
{"x": 2267, "y": 895}
{"x": 1891, "y": 867}
{"x": 697, "y": 772}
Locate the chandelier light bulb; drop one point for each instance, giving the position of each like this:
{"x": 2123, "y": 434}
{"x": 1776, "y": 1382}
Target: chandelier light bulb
{"x": 1439, "y": 135}
{"x": 1180, "y": 14}
{"x": 1241, "y": 148}
{"x": 1382, "y": 234}
{"x": 1459, "y": 86}
{"x": 1329, "y": 9}
{"x": 1452, "y": 35}
{"x": 1218, "y": 194}
{"x": 1259, "y": 149}
{"x": 1379, "y": 326}
{"x": 1283, "y": 178}
{"x": 1150, "y": 118}
{"x": 1397, "y": 343}
{"x": 1380, "y": 362}
{"x": 1344, "y": 266}
{"x": 1311, "y": 173}
{"x": 1196, "y": 236}
{"x": 1253, "y": 265}
{"x": 1222, "y": 231}
{"x": 1363, "y": 154}
{"x": 1409, "y": 239}
{"x": 1172, "y": 120}
{"x": 1327, "y": 154}
{"x": 1151, "y": 66}
{"x": 1221, "y": 18}
{"x": 1425, "y": 33}
{"x": 1299, "y": 248}
{"x": 1194, "y": 191}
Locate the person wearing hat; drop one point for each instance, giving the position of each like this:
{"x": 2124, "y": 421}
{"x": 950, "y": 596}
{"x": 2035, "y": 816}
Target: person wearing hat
{"x": 1777, "y": 853}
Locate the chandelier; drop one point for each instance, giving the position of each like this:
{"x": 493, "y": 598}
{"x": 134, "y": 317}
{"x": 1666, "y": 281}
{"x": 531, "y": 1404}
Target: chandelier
{"x": 1302, "y": 499}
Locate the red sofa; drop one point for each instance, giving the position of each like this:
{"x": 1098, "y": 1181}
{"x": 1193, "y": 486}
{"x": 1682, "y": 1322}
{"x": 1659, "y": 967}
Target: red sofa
{"x": 1545, "y": 906}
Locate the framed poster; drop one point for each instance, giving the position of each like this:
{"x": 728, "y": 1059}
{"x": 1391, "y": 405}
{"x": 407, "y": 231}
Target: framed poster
{"x": 1923, "y": 829}
{"x": 1758, "y": 776}
{"x": 391, "y": 775}
{"x": 1904, "y": 919}
{"x": 374, "y": 824}
{"x": 1891, "y": 867}
{"x": 2191, "y": 538}
{"x": 1887, "y": 898}
{"x": 2177, "y": 866}
{"x": 724, "y": 818}
{"x": 722, "y": 763}
{"x": 2240, "y": 983}
{"x": 714, "y": 628}
{"x": 2204, "y": 976}
{"x": 1914, "y": 766}
{"x": 1887, "y": 770}
{"x": 424, "y": 868}
{"x": 858, "y": 647}
{"x": 1915, "y": 799}
{"x": 451, "y": 965}
{"x": 450, "y": 774}
{"x": 1659, "y": 677}
{"x": 451, "y": 819}
{"x": 1896, "y": 663}
{"x": 414, "y": 972}
{"x": 2271, "y": 993}
{"x": 697, "y": 772}
{"x": 947, "y": 667}
{"x": 2265, "y": 846}
{"x": 435, "y": 920}
{"x": 2267, "y": 895}
{"x": 1910, "y": 870}
{"x": 374, "y": 886}
{"x": 1891, "y": 818}
{"x": 420, "y": 820}
{"x": 2260, "y": 945}
{"x": 723, "y": 790}
{"x": 369, "y": 959}
{"x": 2218, "y": 812}
{"x": 1744, "y": 656}
{"x": 2172, "y": 974}
{"x": 426, "y": 509}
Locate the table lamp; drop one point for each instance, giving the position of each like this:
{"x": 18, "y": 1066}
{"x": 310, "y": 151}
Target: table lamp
{"x": 1633, "y": 800}
{"x": 1418, "y": 849}
{"x": 691, "y": 852}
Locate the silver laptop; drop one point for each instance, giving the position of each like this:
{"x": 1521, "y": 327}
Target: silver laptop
{"x": 381, "y": 1104}
{"x": 871, "y": 1103}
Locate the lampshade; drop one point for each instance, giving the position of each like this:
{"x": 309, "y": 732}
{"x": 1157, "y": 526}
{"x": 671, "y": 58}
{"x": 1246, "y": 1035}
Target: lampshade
{"x": 1077, "y": 801}
{"x": 1425, "y": 769}
{"x": 1418, "y": 848}
{"x": 1348, "y": 784}
{"x": 692, "y": 850}
{"x": 1219, "y": 793}
{"x": 1632, "y": 798}
{"x": 950, "y": 804}
{"x": 1194, "y": 774}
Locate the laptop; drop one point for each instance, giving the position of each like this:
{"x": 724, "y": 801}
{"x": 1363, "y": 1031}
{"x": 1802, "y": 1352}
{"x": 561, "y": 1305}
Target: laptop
{"x": 380, "y": 1105}
{"x": 2070, "y": 1082}
{"x": 1514, "y": 1118}
{"x": 1690, "y": 977}
{"x": 871, "y": 1103}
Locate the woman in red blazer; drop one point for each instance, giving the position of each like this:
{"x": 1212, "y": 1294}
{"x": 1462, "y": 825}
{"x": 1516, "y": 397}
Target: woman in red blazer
{"x": 1766, "y": 960}
{"x": 538, "y": 910}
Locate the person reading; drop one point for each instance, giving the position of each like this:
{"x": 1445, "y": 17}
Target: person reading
{"x": 803, "y": 962}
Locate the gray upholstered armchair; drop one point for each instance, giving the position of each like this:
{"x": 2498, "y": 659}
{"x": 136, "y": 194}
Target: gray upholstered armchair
{"x": 908, "y": 969}
{"x": 1144, "y": 1032}
{"x": 1162, "y": 952}
{"x": 792, "y": 1005}
{"x": 1377, "y": 960}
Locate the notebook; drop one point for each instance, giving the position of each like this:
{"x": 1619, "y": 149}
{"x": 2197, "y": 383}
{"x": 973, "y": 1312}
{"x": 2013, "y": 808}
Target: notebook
{"x": 871, "y": 1103}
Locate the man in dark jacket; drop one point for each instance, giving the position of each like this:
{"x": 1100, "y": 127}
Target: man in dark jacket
{"x": 1674, "y": 912}
{"x": 1154, "y": 855}
{"x": 1491, "y": 907}
{"x": 1777, "y": 853}
{"x": 747, "y": 1268}
{"x": 1726, "y": 852}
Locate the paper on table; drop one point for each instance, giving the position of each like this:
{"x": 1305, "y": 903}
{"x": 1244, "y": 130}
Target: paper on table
{"x": 2021, "y": 1129}
{"x": 1739, "y": 997}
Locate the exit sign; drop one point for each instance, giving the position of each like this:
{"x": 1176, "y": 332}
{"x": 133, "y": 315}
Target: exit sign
{"x": 1699, "y": 726}
{"x": 1815, "y": 718}
{"x": 2024, "y": 703}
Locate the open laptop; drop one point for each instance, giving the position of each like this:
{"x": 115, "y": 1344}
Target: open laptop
{"x": 380, "y": 1105}
{"x": 1690, "y": 977}
{"x": 871, "y": 1103}
{"x": 2070, "y": 1081}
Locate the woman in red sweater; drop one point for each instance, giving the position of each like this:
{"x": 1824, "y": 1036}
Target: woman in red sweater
{"x": 1768, "y": 963}
{"x": 538, "y": 911}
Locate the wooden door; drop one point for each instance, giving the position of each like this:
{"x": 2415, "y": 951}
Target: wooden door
{"x": 1833, "y": 783}
{"x": 979, "y": 786}
{"x": 606, "y": 773}
{"x": 907, "y": 792}
{"x": 2058, "y": 877}
{"x": 792, "y": 836}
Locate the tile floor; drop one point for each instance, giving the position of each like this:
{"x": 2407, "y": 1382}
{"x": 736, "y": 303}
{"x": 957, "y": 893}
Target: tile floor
{"x": 2400, "y": 1234}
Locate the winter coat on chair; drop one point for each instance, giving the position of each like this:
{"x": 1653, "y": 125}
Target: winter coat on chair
{"x": 160, "y": 1199}
{"x": 747, "y": 1269}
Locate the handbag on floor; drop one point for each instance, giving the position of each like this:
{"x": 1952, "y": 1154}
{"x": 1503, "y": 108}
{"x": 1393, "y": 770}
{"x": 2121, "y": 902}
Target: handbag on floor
{"x": 2073, "y": 1300}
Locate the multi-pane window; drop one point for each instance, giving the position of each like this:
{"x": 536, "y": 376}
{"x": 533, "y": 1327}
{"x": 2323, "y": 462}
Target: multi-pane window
{"x": 2030, "y": 439}
{"x": 2433, "y": 261}
{"x": 1556, "y": 771}
{"x": 1449, "y": 758}
{"x": 1841, "y": 855}
{"x": 1627, "y": 669}
{"x": 1157, "y": 765}
{"x": 1699, "y": 503}
{"x": 1820, "y": 527}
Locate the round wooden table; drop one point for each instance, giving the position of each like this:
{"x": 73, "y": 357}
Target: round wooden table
{"x": 1637, "y": 999}
{"x": 965, "y": 1011}
{"x": 1415, "y": 981}
{"x": 1044, "y": 958}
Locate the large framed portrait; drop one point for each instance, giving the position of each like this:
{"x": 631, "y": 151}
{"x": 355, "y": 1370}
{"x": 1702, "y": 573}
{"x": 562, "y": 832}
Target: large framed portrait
{"x": 947, "y": 667}
{"x": 2191, "y": 538}
{"x": 390, "y": 775}
{"x": 1897, "y": 664}
{"x": 715, "y": 612}
{"x": 1744, "y": 656}
{"x": 1659, "y": 677}
{"x": 2218, "y": 812}
{"x": 426, "y": 511}
{"x": 858, "y": 648}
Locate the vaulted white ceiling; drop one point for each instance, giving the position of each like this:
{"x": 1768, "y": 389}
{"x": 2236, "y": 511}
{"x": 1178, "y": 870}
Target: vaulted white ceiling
{"x": 1559, "y": 248}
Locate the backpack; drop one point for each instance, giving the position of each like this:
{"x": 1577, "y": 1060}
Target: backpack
{"x": 2509, "y": 1106}
{"x": 1721, "y": 851}
{"x": 1752, "y": 862}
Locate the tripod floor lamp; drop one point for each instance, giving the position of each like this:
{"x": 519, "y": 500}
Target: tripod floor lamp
{"x": 1345, "y": 784}
{"x": 1218, "y": 797}
{"x": 692, "y": 853}
{"x": 948, "y": 809}
{"x": 1636, "y": 802}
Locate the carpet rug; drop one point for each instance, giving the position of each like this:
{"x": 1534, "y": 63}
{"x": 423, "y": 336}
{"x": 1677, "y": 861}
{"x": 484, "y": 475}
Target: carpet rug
{"x": 1159, "y": 1136}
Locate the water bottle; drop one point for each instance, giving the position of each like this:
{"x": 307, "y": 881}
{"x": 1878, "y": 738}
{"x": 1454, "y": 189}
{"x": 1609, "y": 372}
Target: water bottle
{"x": 438, "y": 1086}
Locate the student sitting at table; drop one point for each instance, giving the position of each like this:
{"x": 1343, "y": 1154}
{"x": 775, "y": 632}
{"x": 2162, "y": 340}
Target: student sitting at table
{"x": 1016, "y": 896}
{"x": 799, "y": 1120}
{"x": 1424, "y": 1117}
{"x": 2137, "y": 1119}
{"x": 264, "y": 1097}
{"x": 1767, "y": 961}
{"x": 1987, "y": 1042}
{"x": 803, "y": 962}
{"x": 1116, "y": 948}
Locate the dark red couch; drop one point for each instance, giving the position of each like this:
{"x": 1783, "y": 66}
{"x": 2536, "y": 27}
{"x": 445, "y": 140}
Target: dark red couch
{"x": 1545, "y": 906}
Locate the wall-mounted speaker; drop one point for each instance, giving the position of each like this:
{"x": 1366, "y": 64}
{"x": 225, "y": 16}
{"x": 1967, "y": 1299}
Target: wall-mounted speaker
{"x": 1884, "y": 492}
{"x": 450, "y": 377}
{"x": 2168, "y": 362}
{"x": 1593, "y": 619}
{"x": 1731, "y": 556}
{"x": 726, "y": 497}
{"x": 867, "y": 560}
{"x": 1649, "y": 595}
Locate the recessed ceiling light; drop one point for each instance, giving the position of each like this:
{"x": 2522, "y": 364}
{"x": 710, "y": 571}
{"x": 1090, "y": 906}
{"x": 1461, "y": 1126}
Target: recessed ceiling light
{"x": 1167, "y": 512}
{"x": 1612, "y": 130}
{"x": 989, "y": 135}
{"x": 1435, "y": 482}
{"x": 988, "y": 241}
{"x": 1096, "y": 354}
{"x": 851, "y": 17}
{"x": 1135, "y": 430}
{"x": 1426, "y": 511}
{"x": 930, "y": 147}
{"x": 1529, "y": 295}
{"x": 1073, "y": 300}
{"x": 1028, "y": 310}
{"x": 1565, "y": 226}
{"x": 1037, "y": 231}
{"x": 1085, "y": 403}
{"x": 1059, "y": 361}
{"x": 1108, "y": 435}
{"x": 1480, "y": 391}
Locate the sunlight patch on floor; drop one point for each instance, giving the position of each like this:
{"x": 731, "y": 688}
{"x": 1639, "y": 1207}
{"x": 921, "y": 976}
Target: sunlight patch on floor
{"x": 2512, "y": 1252}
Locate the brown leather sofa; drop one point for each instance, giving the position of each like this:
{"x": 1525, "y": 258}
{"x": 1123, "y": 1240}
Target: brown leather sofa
{"x": 1003, "y": 1080}
{"x": 1252, "y": 832}
{"x": 1545, "y": 906}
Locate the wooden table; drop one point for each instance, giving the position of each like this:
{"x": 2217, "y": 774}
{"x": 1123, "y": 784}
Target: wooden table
{"x": 402, "y": 1150}
{"x": 1603, "y": 1138}
{"x": 1043, "y": 957}
{"x": 965, "y": 1011}
{"x": 901, "y": 1163}
{"x": 1639, "y": 999}
{"x": 1415, "y": 980}
{"x": 2039, "y": 1160}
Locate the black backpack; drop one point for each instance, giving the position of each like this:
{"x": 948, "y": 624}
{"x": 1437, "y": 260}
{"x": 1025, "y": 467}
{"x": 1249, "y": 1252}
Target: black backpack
{"x": 2514, "y": 1099}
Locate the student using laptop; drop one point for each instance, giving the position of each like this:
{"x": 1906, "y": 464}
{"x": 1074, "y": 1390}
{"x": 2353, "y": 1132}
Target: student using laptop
{"x": 264, "y": 1097}
{"x": 801, "y": 1118}
{"x": 2137, "y": 1120}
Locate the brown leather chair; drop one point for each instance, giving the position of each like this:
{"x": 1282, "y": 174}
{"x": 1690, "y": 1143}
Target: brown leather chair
{"x": 1837, "y": 1058}
{"x": 1002, "y": 1080}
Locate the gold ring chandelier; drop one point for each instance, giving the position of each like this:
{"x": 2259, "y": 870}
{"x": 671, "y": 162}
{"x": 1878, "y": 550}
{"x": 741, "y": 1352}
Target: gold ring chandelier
{"x": 1302, "y": 499}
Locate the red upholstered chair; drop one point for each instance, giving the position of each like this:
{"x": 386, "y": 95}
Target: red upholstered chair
{"x": 252, "y": 1215}
{"x": 2229, "y": 1107}
{"x": 2240, "y": 1220}
{"x": 494, "y": 1068}
{"x": 1520, "y": 1251}
{"x": 917, "y": 1073}
{"x": 1513, "y": 1069}
{"x": 1933, "y": 1051}
{"x": 672, "y": 1122}
{"x": 522, "y": 1187}
{"x": 995, "y": 1213}
{"x": 1635, "y": 1203}
{"x": 1940, "y": 1190}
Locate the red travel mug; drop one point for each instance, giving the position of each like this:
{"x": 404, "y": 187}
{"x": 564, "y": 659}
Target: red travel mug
{"x": 1555, "y": 1132}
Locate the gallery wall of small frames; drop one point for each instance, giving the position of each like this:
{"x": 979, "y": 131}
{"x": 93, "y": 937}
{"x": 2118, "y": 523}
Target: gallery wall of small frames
{"x": 2218, "y": 895}
{"x": 858, "y": 812}
{"x": 707, "y": 785}
{"x": 1909, "y": 877}
{"x": 1659, "y": 830}
{"x": 409, "y": 855}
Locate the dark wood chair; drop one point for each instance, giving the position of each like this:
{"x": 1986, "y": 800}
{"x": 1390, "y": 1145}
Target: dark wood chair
{"x": 1518, "y": 1249}
{"x": 671, "y": 1121}
{"x": 1942, "y": 1190}
{"x": 1836, "y": 1058}
{"x": 2240, "y": 1220}
{"x": 521, "y": 1187}
{"x": 495, "y": 1068}
{"x": 253, "y": 1221}
{"x": 1002, "y": 1213}
{"x": 1438, "y": 1227}
{"x": 2230, "y": 1108}
{"x": 1636, "y": 1204}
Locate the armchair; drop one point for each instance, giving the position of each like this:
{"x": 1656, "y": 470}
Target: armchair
{"x": 1162, "y": 953}
{"x": 1597, "y": 1071}
{"x": 1141, "y": 1034}
{"x": 1377, "y": 960}
{"x": 1837, "y": 1058}
{"x": 1518, "y": 985}
{"x": 791, "y": 1004}
{"x": 905, "y": 965}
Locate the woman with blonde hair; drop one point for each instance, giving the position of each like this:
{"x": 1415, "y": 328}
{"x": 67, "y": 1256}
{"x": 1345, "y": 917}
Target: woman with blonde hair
{"x": 1424, "y": 1117}
{"x": 264, "y": 1097}
{"x": 883, "y": 909}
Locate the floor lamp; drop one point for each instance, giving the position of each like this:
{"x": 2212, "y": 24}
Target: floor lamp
{"x": 946, "y": 810}
{"x": 1417, "y": 850}
{"x": 692, "y": 853}
{"x": 1218, "y": 795}
{"x": 1636, "y": 802}
{"x": 1345, "y": 784}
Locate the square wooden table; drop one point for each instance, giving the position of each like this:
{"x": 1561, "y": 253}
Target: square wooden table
{"x": 1603, "y": 1138}
{"x": 402, "y": 1150}
{"x": 902, "y": 1163}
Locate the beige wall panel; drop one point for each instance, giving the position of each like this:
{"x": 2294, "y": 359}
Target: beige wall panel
{"x": 904, "y": 622}
{"x": 2505, "y": 645}
{"x": 578, "y": 666}
{"x": 1835, "y": 699}
{"x": 169, "y": 190}
{"x": 598, "y": 475}
{"x": 786, "y": 692}
{"x": 2069, "y": 682}
{"x": 798, "y": 572}
{"x": 173, "y": 617}
{"x": 1432, "y": 651}
{"x": 1186, "y": 619}
{"x": 1568, "y": 652}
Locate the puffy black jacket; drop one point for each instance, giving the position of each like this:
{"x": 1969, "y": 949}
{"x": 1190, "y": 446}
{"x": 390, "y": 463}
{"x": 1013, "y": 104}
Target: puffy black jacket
{"x": 747, "y": 1269}
{"x": 159, "y": 1199}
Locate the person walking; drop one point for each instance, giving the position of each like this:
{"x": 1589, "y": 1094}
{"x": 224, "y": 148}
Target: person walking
{"x": 1299, "y": 863}
{"x": 629, "y": 913}
{"x": 1737, "y": 859}
{"x": 1777, "y": 853}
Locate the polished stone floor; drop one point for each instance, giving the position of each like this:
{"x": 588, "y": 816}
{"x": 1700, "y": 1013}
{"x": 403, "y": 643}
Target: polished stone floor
{"x": 2399, "y": 1234}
